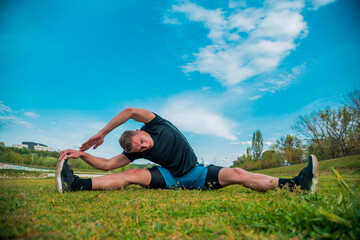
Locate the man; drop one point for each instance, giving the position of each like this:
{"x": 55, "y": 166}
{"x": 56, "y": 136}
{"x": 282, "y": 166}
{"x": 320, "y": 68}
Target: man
{"x": 161, "y": 142}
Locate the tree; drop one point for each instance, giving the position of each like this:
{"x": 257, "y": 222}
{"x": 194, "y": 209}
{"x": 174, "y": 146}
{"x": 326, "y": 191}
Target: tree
{"x": 252, "y": 154}
{"x": 10, "y": 157}
{"x": 239, "y": 161}
{"x": 330, "y": 132}
{"x": 290, "y": 148}
{"x": 338, "y": 125}
{"x": 352, "y": 102}
{"x": 312, "y": 129}
{"x": 271, "y": 158}
{"x": 243, "y": 158}
{"x": 257, "y": 145}
{"x": 248, "y": 154}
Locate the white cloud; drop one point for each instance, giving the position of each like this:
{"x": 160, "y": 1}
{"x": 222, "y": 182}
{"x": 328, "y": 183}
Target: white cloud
{"x": 8, "y": 119}
{"x": 197, "y": 114}
{"x": 13, "y": 121}
{"x": 255, "y": 97}
{"x": 31, "y": 114}
{"x": 268, "y": 143}
{"x": 4, "y": 109}
{"x": 204, "y": 89}
{"x": 237, "y": 4}
{"x": 241, "y": 143}
{"x": 248, "y": 42}
{"x": 212, "y": 19}
{"x": 319, "y": 3}
{"x": 169, "y": 20}
{"x": 281, "y": 80}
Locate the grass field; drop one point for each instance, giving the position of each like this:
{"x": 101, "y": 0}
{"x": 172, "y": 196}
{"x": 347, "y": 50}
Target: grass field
{"x": 31, "y": 208}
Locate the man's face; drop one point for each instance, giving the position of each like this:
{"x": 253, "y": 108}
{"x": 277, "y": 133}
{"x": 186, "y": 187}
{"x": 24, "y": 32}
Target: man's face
{"x": 141, "y": 142}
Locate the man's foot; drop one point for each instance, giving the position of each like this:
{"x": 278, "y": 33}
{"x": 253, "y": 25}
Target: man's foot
{"x": 308, "y": 178}
{"x": 64, "y": 176}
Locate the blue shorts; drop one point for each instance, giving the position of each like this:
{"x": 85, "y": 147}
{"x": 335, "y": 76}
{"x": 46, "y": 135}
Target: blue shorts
{"x": 199, "y": 177}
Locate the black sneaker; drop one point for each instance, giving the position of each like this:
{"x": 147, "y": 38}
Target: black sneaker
{"x": 308, "y": 178}
{"x": 64, "y": 176}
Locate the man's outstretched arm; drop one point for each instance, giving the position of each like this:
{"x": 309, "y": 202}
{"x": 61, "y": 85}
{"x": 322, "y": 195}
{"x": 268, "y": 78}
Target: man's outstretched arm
{"x": 139, "y": 115}
{"x": 97, "y": 162}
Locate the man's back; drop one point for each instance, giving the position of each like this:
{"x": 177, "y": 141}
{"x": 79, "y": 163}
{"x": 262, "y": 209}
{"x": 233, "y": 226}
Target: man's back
{"x": 171, "y": 150}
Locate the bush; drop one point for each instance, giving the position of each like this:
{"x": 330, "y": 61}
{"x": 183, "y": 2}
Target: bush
{"x": 11, "y": 157}
{"x": 48, "y": 161}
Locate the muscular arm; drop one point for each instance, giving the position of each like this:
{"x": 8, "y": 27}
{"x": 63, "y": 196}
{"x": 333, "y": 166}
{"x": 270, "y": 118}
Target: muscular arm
{"x": 105, "y": 164}
{"x": 97, "y": 162}
{"x": 139, "y": 115}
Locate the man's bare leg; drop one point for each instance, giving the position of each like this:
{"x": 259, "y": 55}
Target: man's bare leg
{"x": 255, "y": 181}
{"x": 140, "y": 177}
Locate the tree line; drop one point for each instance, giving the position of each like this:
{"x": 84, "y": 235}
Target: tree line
{"x": 327, "y": 133}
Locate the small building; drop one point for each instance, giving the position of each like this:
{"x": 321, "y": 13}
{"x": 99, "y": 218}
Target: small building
{"x": 42, "y": 148}
{"x": 31, "y": 145}
{"x": 20, "y": 146}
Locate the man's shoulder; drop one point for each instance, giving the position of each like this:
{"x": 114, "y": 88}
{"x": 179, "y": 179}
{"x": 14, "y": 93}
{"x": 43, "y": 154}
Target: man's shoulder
{"x": 156, "y": 121}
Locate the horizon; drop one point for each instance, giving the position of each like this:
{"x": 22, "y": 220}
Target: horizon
{"x": 217, "y": 70}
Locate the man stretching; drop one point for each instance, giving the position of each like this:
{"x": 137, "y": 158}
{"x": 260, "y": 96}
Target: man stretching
{"x": 161, "y": 142}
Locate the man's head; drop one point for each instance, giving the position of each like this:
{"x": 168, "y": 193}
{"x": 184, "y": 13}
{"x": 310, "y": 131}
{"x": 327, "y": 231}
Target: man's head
{"x": 136, "y": 141}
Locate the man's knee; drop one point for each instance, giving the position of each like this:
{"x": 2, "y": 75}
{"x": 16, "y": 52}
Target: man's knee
{"x": 131, "y": 171}
{"x": 240, "y": 171}
{"x": 137, "y": 176}
{"x": 237, "y": 173}
{"x": 228, "y": 176}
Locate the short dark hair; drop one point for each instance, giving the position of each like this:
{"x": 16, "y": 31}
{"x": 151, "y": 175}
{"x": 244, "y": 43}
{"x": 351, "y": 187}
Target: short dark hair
{"x": 126, "y": 141}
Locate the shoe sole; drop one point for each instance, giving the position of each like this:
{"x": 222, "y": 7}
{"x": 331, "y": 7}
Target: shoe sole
{"x": 58, "y": 183}
{"x": 315, "y": 172}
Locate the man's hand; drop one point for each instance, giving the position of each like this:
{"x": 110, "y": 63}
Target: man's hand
{"x": 70, "y": 153}
{"x": 94, "y": 142}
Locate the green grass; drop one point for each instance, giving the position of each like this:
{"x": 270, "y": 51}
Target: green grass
{"x": 32, "y": 209}
{"x": 12, "y": 173}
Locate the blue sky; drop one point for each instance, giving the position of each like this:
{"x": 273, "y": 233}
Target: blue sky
{"x": 219, "y": 70}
